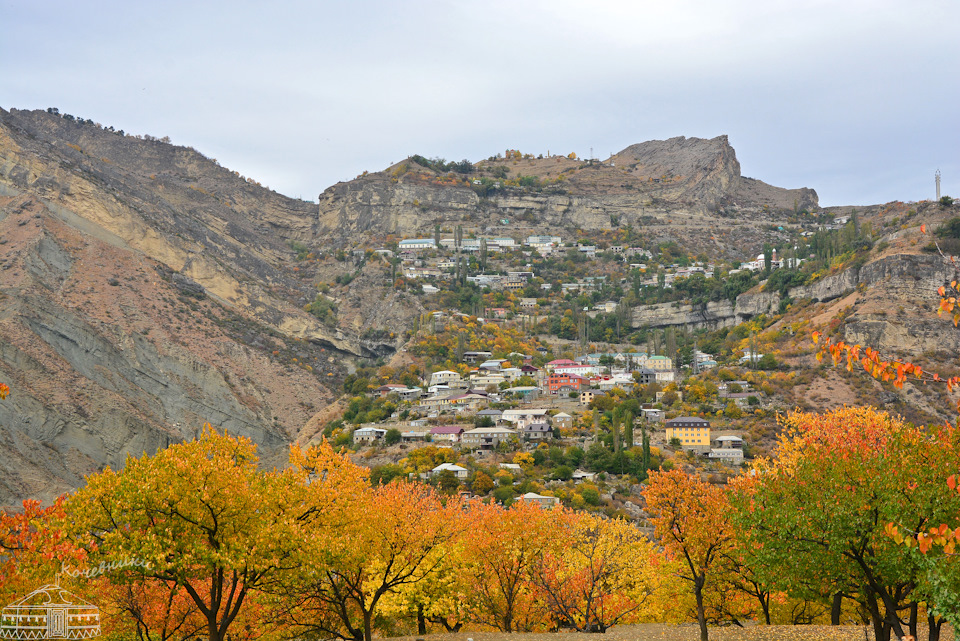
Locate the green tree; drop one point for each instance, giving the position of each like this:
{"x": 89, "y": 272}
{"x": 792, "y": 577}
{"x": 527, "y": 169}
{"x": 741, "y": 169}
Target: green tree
{"x": 447, "y": 482}
{"x": 821, "y": 507}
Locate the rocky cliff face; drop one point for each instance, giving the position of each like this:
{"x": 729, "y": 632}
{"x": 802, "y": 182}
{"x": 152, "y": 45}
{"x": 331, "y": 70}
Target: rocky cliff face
{"x": 144, "y": 290}
{"x": 109, "y": 353}
{"x": 656, "y": 185}
{"x": 169, "y": 203}
{"x": 893, "y": 312}
{"x": 713, "y": 315}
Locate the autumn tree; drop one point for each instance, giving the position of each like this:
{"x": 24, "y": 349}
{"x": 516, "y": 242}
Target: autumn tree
{"x": 596, "y": 572}
{"x": 202, "y": 516}
{"x": 33, "y": 547}
{"x": 482, "y": 483}
{"x": 439, "y": 598}
{"x": 502, "y": 547}
{"x": 933, "y": 533}
{"x": 157, "y": 611}
{"x": 399, "y": 540}
{"x": 689, "y": 517}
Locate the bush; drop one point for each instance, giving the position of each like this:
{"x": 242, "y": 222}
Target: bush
{"x": 562, "y": 473}
{"x": 767, "y": 361}
{"x": 590, "y": 496}
{"x": 393, "y": 436}
{"x": 504, "y": 495}
{"x": 383, "y": 474}
{"x": 949, "y": 229}
{"x": 324, "y": 309}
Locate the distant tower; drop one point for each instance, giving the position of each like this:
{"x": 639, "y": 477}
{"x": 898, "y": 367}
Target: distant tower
{"x": 937, "y": 176}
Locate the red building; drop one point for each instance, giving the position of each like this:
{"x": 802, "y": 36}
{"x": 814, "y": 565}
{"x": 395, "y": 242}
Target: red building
{"x": 565, "y": 382}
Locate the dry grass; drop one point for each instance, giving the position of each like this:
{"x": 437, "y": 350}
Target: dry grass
{"x": 685, "y": 632}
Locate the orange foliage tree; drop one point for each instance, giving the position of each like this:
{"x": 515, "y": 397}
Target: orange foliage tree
{"x": 502, "y": 549}
{"x": 33, "y": 547}
{"x": 397, "y": 536}
{"x": 689, "y": 517}
{"x": 596, "y": 572}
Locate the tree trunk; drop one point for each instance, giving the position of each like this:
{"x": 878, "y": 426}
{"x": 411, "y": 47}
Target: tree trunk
{"x": 933, "y": 627}
{"x": 368, "y": 625}
{"x": 213, "y": 630}
{"x": 913, "y": 619}
{"x": 421, "y": 621}
{"x": 836, "y": 609}
{"x": 701, "y": 612}
{"x": 875, "y": 619}
{"x": 765, "y": 606}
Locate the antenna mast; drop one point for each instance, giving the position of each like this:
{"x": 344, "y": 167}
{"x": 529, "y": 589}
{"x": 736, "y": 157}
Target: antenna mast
{"x": 937, "y": 176}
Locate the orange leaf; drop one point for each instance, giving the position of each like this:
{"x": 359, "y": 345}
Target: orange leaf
{"x": 923, "y": 229}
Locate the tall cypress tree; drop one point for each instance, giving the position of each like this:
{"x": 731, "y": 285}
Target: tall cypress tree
{"x": 615, "y": 426}
{"x": 645, "y": 457}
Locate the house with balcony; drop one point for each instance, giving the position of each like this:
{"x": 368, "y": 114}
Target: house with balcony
{"x": 369, "y": 435}
{"x": 486, "y": 438}
{"x": 728, "y": 449}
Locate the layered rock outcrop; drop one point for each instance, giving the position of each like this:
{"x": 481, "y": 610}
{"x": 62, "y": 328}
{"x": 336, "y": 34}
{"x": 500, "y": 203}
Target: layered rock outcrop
{"x": 897, "y": 277}
{"x": 651, "y": 183}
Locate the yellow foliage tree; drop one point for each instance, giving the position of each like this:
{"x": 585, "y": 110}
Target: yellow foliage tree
{"x": 201, "y": 515}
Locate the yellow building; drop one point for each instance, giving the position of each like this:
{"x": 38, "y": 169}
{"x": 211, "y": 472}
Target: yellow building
{"x": 659, "y": 363}
{"x": 692, "y": 432}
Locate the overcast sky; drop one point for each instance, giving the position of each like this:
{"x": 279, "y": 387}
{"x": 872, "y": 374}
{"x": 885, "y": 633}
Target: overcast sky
{"x": 859, "y": 100}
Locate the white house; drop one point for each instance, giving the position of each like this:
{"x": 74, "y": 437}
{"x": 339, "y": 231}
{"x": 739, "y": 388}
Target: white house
{"x": 539, "y": 499}
{"x": 369, "y": 435}
{"x": 576, "y": 368}
{"x": 416, "y": 243}
{"x": 459, "y": 472}
{"x": 444, "y": 377}
{"x": 541, "y": 242}
{"x": 513, "y": 416}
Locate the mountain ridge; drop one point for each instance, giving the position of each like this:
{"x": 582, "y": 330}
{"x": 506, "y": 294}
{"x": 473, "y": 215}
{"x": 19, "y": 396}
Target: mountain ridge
{"x": 650, "y": 184}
